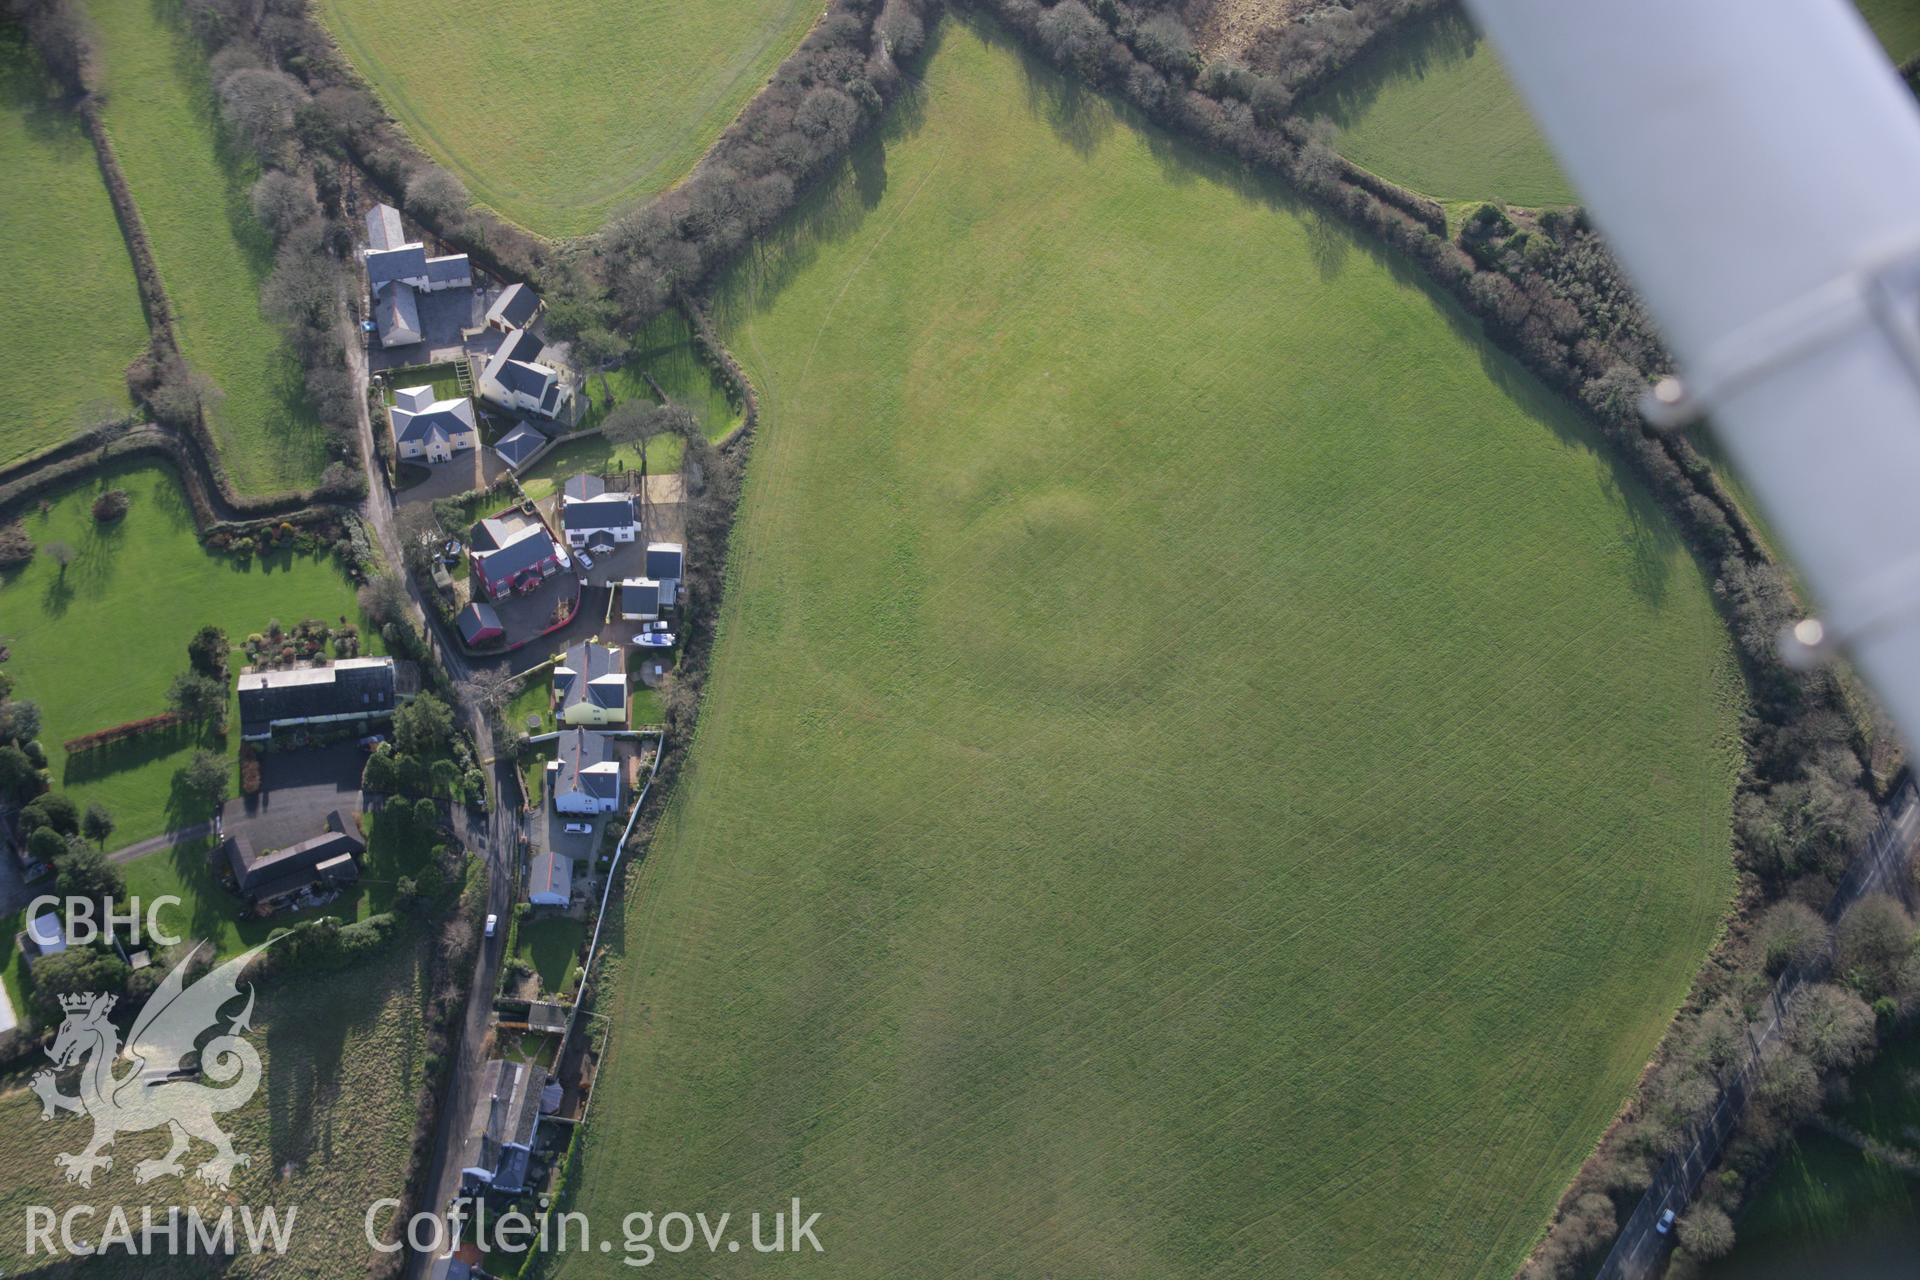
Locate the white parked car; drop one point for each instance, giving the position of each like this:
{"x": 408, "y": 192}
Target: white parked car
{"x": 586, "y": 561}
{"x": 492, "y": 920}
{"x": 579, "y": 828}
{"x": 1665, "y": 1224}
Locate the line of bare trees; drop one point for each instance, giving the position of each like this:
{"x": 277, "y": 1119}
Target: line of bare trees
{"x": 265, "y": 114}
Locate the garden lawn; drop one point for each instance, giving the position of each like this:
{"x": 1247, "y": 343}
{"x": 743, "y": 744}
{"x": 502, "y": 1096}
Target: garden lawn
{"x": 535, "y": 700}
{"x": 98, "y": 645}
{"x": 329, "y": 1130}
{"x": 443, "y": 378}
{"x": 555, "y": 118}
{"x": 192, "y": 194}
{"x": 1206, "y": 770}
{"x": 664, "y": 351}
{"x": 208, "y": 912}
{"x": 1431, "y": 108}
{"x": 86, "y": 324}
{"x": 551, "y": 944}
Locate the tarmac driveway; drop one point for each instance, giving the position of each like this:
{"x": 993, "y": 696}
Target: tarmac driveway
{"x": 297, "y": 791}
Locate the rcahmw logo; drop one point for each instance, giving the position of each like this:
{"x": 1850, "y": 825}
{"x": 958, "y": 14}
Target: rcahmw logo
{"x": 159, "y": 1089}
{"x": 170, "y": 1232}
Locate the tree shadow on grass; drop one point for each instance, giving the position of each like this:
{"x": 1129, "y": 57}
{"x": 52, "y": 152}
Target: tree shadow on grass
{"x": 1421, "y": 47}
{"x": 835, "y": 209}
{"x": 305, "y": 1052}
{"x": 82, "y": 767}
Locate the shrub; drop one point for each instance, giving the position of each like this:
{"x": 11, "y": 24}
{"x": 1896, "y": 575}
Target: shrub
{"x": 16, "y": 548}
{"x": 111, "y": 505}
{"x": 1790, "y": 935}
{"x": 121, "y": 732}
{"x": 55, "y": 810}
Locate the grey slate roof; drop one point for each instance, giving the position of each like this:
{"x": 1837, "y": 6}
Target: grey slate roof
{"x": 442, "y": 419}
{"x": 576, "y": 752}
{"x": 500, "y": 1132}
{"x": 551, "y": 401}
{"x": 394, "y": 307}
{"x": 519, "y": 444}
{"x": 609, "y": 511}
{"x": 404, "y": 262}
{"x": 383, "y": 227}
{"x": 583, "y": 486}
{"x": 476, "y": 618}
{"x": 448, "y": 268}
{"x": 666, "y": 560}
{"x": 521, "y": 344}
{"x": 349, "y": 686}
{"x": 639, "y": 595}
{"x": 278, "y": 871}
{"x": 515, "y": 306}
{"x": 550, "y": 872}
{"x": 524, "y": 552}
{"x": 580, "y": 676}
{"x": 516, "y": 375}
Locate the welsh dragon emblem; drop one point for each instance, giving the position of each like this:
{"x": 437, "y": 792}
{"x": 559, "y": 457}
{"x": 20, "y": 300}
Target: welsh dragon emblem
{"x": 156, "y": 1090}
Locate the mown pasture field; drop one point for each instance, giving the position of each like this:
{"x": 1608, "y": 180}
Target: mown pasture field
{"x": 98, "y": 644}
{"x": 557, "y": 118}
{"x": 192, "y": 193}
{"x": 86, "y": 323}
{"x": 1432, "y": 108}
{"x": 1207, "y": 770}
{"x": 329, "y": 1131}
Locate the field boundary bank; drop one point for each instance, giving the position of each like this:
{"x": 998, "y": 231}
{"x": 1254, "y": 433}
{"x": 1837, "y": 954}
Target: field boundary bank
{"x": 133, "y": 229}
{"x": 1639, "y": 1248}
{"x": 195, "y": 452}
{"x": 707, "y": 340}
{"x": 72, "y": 461}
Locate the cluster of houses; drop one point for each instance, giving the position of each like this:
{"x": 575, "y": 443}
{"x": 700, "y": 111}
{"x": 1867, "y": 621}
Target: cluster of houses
{"x": 399, "y": 270}
{"x": 518, "y": 378}
{"x": 513, "y": 552}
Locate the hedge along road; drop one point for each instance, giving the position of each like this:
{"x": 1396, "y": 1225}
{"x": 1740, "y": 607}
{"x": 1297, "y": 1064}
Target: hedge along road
{"x": 1166, "y": 651}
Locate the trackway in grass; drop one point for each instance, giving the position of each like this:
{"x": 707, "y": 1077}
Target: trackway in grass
{"x": 63, "y": 257}
{"x": 557, "y": 115}
{"x": 1206, "y": 770}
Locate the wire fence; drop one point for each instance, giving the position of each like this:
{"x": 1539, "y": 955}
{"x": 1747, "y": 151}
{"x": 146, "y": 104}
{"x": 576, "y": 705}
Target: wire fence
{"x": 1640, "y": 1246}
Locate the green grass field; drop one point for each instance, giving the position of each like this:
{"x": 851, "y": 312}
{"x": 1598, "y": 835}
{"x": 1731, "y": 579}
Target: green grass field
{"x": 1206, "y": 770}
{"x": 329, "y": 1131}
{"x": 98, "y": 645}
{"x": 86, "y": 324}
{"x": 557, "y": 118}
{"x": 192, "y": 194}
{"x": 1432, "y": 109}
